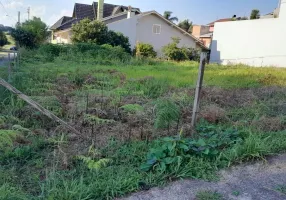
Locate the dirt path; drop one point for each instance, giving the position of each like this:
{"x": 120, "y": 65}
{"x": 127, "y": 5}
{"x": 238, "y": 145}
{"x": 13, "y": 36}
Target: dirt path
{"x": 248, "y": 182}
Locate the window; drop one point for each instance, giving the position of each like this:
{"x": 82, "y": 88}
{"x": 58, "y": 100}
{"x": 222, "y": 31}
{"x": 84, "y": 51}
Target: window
{"x": 156, "y": 28}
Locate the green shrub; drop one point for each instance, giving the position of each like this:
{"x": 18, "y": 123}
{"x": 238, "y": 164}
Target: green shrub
{"x": 31, "y": 33}
{"x": 87, "y": 31}
{"x": 192, "y": 53}
{"x": 145, "y": 50}
{"x": 3, "y": 39}
{"x": 118, "y": 39}
{"x": 173, "y": 52}
{"x": 79, "y": 52}
{"x": 174, "y": 151}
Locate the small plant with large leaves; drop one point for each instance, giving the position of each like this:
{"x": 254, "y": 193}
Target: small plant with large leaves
{"x": 174, "y": 151}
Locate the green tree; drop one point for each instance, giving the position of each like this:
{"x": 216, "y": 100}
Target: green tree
{"x": 255, "y": 14}
{"x": 3, "y": 39}
{"x": 31, "y": 33}
{"x": 168, "y": 16}
{"x": 186, "y": 25}
{"x": 87, "y": 31}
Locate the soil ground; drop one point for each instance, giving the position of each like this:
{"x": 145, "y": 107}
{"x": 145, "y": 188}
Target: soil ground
{"x": 256, "y": 181}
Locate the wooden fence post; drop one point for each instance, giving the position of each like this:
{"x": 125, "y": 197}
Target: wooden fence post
{"x": 14, "y": 59}
{"x": 198, "y": 88}
{"x": 9, "y": 68}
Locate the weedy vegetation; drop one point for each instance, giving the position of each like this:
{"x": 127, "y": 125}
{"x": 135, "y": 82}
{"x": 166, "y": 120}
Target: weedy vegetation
{"x": 134, "y": 117}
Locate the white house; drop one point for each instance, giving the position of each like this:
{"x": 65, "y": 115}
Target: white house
{"x": 258, "y": 42}
{"x": 147, "y": 27}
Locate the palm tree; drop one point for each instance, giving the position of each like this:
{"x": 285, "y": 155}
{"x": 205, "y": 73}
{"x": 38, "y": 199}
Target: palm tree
{"x": 255, "y": 14}
{"x": 187, "y": 25}
{"x": 168, "y": 16}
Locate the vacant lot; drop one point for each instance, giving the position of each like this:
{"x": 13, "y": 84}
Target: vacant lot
{"x": 125, "y": 108}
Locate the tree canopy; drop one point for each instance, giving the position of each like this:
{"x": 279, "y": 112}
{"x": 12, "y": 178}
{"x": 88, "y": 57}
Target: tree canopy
{"x": 87, "y": 31}
{"x": 187, "y": 25}
{"x": 168, "y": 16}
{"x": 3, "y": 39}
{"x": 31, "y": 33}
{"x": 255, "y": 14}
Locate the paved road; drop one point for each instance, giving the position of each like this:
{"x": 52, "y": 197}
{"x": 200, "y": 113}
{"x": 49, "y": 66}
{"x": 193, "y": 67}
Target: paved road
{"x": 255, "y": 181}
{"x": 4, "y": 58}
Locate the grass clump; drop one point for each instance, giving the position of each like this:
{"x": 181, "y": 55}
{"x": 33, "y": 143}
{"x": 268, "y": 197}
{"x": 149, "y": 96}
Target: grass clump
{"x": 6, "y": 138}
{"x": 8, "y": 192}
{"x": 208, "y": 195}
{"x": 281, "y": 189}
{"x": 132, "y": 108}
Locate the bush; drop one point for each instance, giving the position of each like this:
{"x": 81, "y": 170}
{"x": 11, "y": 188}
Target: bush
{"x": 83, "y": 52}
{"x": 3, "y": 39}
{"x": 145, "y": 50}
{"x": 173, "y": 52}
{"x": 118, "y": 39}
{"x": 87, "y": 31}
{"x": 31, "y": 33}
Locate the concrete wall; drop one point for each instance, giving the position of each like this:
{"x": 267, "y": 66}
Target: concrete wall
{"x": 199, "y": 30}
{"x": 62, "y": 37}
{"x": 253, "y": 42}
{"x": 145, "y": 34}
{"x": 127, "y": 27}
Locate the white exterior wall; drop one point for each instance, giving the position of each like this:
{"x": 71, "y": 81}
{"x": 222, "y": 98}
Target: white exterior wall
{"x": 127, "y": 27}
{"x": 259, "y": 42}
{"x": 145, "y": 34}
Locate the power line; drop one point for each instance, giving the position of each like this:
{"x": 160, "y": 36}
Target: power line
{"x": 4, "y": 7}
{"x": 7, "y": 14}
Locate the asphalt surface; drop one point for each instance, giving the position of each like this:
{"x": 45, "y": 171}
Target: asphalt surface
{"x": 4, "y": 59}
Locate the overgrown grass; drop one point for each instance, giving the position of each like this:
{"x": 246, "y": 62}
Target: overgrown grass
{"x": 98, "y": 93}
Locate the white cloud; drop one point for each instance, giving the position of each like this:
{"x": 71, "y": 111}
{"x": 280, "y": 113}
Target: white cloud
{"x": 38, "y": 11}
{"x": 14, "y": 4}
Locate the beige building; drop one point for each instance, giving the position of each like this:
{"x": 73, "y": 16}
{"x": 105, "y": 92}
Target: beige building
{"x": 147, "y": 27}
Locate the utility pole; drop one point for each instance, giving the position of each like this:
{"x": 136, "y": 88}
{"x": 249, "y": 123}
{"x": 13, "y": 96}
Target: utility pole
{"x": 28, "y": 11}
{"x": 19, "y": 17}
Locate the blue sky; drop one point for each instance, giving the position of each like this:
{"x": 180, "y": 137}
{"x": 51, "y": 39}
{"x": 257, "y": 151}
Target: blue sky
{"x": 198, "y": 11}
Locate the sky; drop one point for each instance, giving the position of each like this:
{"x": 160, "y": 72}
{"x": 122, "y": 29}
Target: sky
{"x": 198, "y": 11}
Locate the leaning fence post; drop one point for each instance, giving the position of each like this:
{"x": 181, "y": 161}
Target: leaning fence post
{"x": 37, "y": 106}
{"x": 198, "y": 88}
